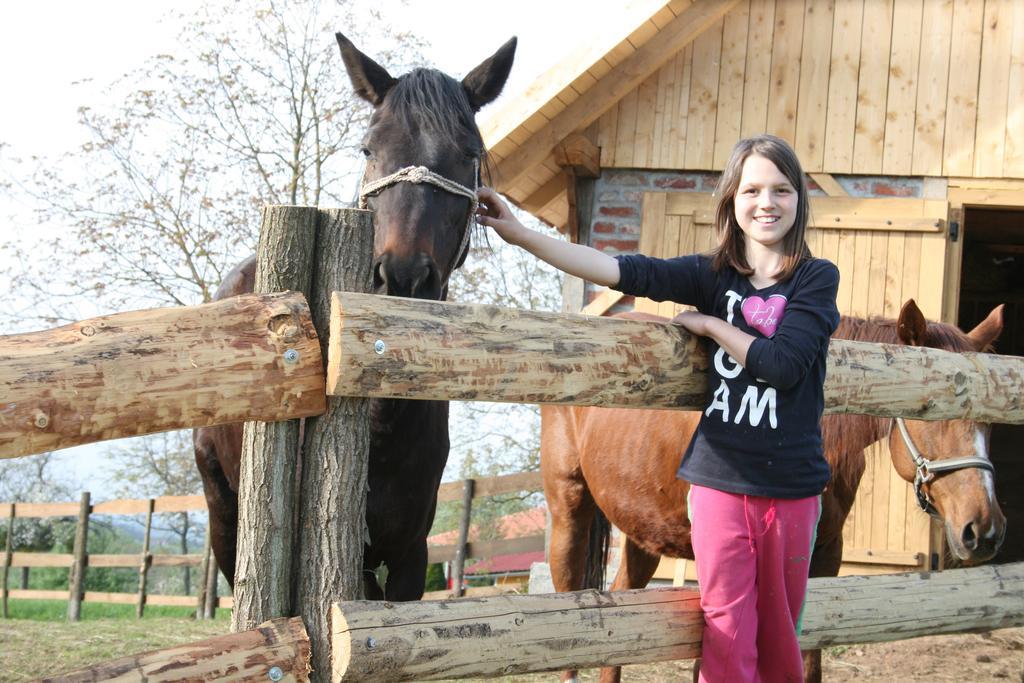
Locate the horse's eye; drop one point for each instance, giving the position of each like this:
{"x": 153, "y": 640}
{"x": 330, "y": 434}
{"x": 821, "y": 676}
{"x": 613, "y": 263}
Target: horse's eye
{"x": 366, "y": 152}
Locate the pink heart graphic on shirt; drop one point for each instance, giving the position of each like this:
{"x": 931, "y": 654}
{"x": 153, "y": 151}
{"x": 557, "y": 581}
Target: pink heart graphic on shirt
{"x": 764, "y": 316}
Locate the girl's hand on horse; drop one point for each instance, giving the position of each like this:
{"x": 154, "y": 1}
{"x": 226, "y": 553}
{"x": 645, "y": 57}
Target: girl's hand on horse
{"x": 494, "y": 212}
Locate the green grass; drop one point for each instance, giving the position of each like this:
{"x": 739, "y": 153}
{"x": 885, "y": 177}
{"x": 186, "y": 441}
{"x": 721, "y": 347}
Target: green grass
{"x": 38, "y": 649}
{"x": 57, "y": 610}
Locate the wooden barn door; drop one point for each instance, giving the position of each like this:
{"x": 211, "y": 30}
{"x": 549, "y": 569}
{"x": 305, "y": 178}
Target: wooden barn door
{"x": 887, "y": 251}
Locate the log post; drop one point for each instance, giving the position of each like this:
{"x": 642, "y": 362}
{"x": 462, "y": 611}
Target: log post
{"x": 146, "y": 560}
{"x": 459, "y": 561}
{"x": 204, "y": 569}
{"x": 7, "y": 557}
{"x": 332, "y": 507}
{"x": 77, "y": 578}
{"x": 270, "y": 450}
{"x": 210, "y": 607}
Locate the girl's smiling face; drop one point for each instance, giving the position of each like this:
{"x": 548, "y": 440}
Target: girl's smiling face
{"x": 765, "y": 203}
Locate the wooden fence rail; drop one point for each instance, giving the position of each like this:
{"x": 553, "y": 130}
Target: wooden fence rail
{"x": 254, "y": 357}
{"x": 404, "y": 348}
{"x": 514, "y": 634}
{"x": 276, "y": 650}
{"x": 145, "y": 560}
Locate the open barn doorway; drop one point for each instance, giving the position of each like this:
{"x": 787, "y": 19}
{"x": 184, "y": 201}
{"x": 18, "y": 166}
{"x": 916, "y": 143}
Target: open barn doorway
{"x": 992, "y": 273}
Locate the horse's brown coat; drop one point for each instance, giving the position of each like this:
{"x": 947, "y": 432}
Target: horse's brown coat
{"x": 625, "y": 462}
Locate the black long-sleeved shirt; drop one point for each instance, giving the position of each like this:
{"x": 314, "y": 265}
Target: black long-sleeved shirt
{"x": 760, "y": 432}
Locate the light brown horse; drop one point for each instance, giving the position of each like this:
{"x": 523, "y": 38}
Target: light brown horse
{"x": 624, "y": 462}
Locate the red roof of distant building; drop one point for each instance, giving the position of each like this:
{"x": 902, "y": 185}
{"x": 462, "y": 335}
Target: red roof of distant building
{"x": 503, "y": 564}
{"x": 516, "y": 525}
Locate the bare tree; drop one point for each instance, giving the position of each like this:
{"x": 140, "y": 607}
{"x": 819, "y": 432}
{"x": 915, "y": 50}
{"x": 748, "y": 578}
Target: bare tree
{"x": 252, "y": 109}
{"x": 34, "y": 480}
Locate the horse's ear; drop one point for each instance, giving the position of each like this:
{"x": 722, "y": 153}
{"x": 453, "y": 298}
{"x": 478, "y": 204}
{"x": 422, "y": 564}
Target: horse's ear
{"x": 484, "y": 83}
{"x": 370, "y": 80}
{"x": 911, "y": 327}
{"x": 988, "y": 330}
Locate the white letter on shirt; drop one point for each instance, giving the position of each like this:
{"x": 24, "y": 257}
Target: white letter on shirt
{"x": 757, "y": 406}
{"x": 720, "y": 357}
{"x": 720, "y": 401}
{"x": 732, "y": 298}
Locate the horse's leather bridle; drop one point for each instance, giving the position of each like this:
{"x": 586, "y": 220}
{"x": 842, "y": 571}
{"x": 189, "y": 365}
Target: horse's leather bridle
{"x": 422, "y": 174}
{"x": 927, "y": 469}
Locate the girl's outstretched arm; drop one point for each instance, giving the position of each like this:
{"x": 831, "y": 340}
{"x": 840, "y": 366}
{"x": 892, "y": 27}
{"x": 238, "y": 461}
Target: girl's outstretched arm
{"x": 575, "y": 259}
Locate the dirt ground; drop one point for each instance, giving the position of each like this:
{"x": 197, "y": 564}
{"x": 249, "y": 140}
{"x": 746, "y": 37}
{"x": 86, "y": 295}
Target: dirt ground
{"x": 29, "y": 650}
{"x": 969, "y": 658}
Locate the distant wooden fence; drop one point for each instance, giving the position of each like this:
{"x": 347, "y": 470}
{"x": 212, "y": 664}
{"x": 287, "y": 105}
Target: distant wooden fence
{"x": 80, "y": 559}
{"x": 206, "y": 601}
{"x": 468, "y": 490}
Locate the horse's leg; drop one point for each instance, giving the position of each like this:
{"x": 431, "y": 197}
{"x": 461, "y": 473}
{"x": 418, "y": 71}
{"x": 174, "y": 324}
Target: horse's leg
{"x": 221, "y": 501}
{"x": 825, "y": 561}
{"x": 569, "y": 502}
{"x": 636, "y": 568}
{"x": 405, "y": 580}
{"x": 828, "y": 550}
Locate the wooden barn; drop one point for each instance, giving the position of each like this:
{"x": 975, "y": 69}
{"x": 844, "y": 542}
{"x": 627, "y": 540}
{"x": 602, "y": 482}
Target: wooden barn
{"x": 908, "y": 116}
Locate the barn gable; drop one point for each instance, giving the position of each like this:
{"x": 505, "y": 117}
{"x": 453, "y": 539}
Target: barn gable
{"x": 893, "y": 87}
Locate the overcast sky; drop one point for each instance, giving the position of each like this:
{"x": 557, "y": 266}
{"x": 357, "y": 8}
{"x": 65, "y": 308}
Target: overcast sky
{"x": 57, "y": 56}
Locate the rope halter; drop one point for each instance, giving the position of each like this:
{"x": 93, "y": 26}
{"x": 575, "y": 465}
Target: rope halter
{"x": 927, "y": 469}
{"x": 422, "y": 174}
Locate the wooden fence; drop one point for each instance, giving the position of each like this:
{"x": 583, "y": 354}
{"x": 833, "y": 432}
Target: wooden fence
{"x": 78, "y": 561}
{"x": 426, "y": 350}
{"x": 206, "y": 602}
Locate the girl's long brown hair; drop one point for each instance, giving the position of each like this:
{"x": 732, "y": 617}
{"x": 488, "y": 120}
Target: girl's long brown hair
{"x": 731, "y": 249}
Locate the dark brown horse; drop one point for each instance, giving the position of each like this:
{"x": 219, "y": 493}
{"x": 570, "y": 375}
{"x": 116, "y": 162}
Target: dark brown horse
{"x": 623, "y": 462}
{"x": 423, "y": 118}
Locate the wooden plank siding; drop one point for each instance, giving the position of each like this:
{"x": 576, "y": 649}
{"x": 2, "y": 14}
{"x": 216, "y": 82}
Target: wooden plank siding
{"x": 944, "y": 99}
{"x": 887, "y": 251}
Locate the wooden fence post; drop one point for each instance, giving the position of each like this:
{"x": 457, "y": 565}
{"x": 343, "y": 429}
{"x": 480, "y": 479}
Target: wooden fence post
{"x": 204, "y": 570}
{"x": 145, "y": 561}
{"x": 7, "y": 556}
{"x": 332, "y": 508}
{"x": 270, "y": 450}
{"x": 77, "y": 578}
{"x": 459, "y": 562}
{"x": 210, "y": 606}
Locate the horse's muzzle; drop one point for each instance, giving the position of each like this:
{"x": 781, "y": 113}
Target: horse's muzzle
{"x": 417, "y": 277}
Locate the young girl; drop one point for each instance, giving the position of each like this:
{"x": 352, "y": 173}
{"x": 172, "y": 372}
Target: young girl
{"x": 755, "y": 464}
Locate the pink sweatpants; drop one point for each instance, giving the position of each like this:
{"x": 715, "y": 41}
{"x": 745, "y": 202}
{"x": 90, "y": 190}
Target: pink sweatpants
{"x": 753, "y": 555}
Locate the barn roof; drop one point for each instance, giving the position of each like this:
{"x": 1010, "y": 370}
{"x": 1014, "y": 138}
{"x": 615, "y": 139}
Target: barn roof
{"x": 532, "y": 138}
{"x": 868, "y": 89}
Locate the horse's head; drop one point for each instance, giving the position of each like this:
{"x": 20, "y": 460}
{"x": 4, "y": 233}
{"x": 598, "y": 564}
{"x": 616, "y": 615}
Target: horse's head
{"x": 956, "y": 482}
{"x": 423, "y": 159}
